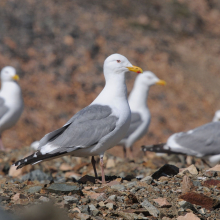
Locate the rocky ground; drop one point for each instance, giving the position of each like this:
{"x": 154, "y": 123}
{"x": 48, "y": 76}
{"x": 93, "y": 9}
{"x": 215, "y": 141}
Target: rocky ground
{"x": 144, "y": 189}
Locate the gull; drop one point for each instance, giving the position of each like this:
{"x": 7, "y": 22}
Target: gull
{"x": 140, "y": 114}
{"x": 11, "y": 101}
{"x": 202, "y": 142}
{"x": 96, "y": 128}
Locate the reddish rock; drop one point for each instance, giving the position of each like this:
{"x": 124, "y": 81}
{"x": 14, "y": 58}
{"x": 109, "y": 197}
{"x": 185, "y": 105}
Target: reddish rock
{"x": 188, "y": 216}
{"x": 79, "y": 166}
{"x": 211, "y": 182}
{"x": 200, "y": 199}
{"x": 162, "y": 202}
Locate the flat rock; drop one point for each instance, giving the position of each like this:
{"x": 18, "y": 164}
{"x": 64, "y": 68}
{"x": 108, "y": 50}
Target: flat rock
{"x": 188, "y": 216}
{"x": 96, "y": 196}
{"x": 72, "y": 199}
{"x": 150, "y": 208}
{"x": 118, "y": 187}
{"x": 44, "y": 199}
{"x": 82, "y": 216}
{"x": 162, "y": 202}
{"x": 65, "y": 167}
{"x": 64, "y": 188}
{"x": 34, "y": 189}
{"x": 166, "y": 170}
{"x": 15, "y": 173}
{"x": 200, "y": 199}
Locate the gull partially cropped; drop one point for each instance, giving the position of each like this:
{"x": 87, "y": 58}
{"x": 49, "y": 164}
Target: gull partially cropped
{"x": 202, "y": 142}
{"x": 96, "y": 128}
{"x": 140, "y": 114}
{"x": 11, "y": 101}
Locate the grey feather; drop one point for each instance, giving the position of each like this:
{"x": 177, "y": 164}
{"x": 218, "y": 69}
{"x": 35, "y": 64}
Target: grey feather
{"x": 204, "y": 140}
{"x": 84, "y": 129}
{"x": 136, "y": 121}
{"x": 3, "y": 107}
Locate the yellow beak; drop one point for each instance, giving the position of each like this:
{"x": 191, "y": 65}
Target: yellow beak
{"x": 15, "y": 77}
{"x": 135, "y": 69}
{"x": 161, "y": 82}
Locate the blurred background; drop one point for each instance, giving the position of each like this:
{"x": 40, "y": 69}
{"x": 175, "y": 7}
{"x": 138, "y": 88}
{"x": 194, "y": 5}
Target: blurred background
{"x": 58, "y": 49}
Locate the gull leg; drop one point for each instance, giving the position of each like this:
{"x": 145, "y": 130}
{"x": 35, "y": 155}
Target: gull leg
{"x": 102, "y": 167}
{"x": 204, "y": 162}
{"x": 124, "y": 150}
{"x": 94, "y": 168}
{"x": 132, "y": 153}
{"x": 1, "y": 144}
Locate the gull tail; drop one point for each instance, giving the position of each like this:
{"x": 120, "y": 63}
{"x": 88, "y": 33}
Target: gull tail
{"x": 35, "y": 158}
{"x": 158, "y": 148}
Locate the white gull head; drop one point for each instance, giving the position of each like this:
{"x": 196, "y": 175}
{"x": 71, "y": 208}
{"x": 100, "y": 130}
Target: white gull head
{"x": 8, "y": 73}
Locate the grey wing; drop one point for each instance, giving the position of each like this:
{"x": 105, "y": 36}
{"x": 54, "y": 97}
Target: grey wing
{"x": 202, "y": 141}
{"x": 136, "y": 121}
{"x": 84, "y": 129}
{"x": 3, "y": 107}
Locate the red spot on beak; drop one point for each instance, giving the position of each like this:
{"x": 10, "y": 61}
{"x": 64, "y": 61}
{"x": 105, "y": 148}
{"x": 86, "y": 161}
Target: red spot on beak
{"x": 138, "y": 72}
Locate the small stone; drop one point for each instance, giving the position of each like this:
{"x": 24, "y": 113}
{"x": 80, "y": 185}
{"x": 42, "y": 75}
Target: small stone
{"x": 150, "y": 208}
{"x": 202, "y": 211}
{"x": 34, "y": 189}
{"x": 36, "y": 175}
{"x": 118, "y": 187}
{"x": 186, "y": 184}
{"x": 63, "y": 204}
{"x": 210, "y": 173}
{"x": 86, "y": 179}
{"x": 110, "y": 163}
{"x": 101, "y": 204}
{"x": 64, "y": 188}
{"x": 96, "y": 196}
{"x": 110, "y": 206}
{"x": 65, "y": 167}
{"x": 84, "y": 209}
{"x": 82, "y": 216}
{"x": 44, "y": 199}
{"x": 192, "y": 169}
{"x": 188, "y": 216}
{"x": 166, "y": 170}
{"x": 92, "y": 207}
{"x": 196, "y": 183}
{"x": 112, "y": 198}
{"x": 147, "y": 179}
{"x": 18, "y": 196}
{"x": 130, "y": 199}
{"x": 211, "y": 182}
{"x": 162, "y": 202}
{"x": 215, "y": 168}
{"x": 72, "y": 199}
{"x": 186, "y": 205}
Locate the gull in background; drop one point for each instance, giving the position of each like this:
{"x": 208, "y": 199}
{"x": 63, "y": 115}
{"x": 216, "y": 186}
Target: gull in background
{"x": 96, "y": 128}
{"x": 11, "y": 101}
{"x": 202, "y": 142}
{"x": 140, "y": 114}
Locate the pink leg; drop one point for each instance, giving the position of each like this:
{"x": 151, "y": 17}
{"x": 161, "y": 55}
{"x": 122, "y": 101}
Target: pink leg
{"x": 1, "y": 144}
{"x": 102, "y": 167}
{"x": 94, "y": 168}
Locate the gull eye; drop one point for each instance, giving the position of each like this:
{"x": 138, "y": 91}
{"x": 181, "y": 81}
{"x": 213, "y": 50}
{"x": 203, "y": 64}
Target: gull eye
{"x": 118, "y": 61}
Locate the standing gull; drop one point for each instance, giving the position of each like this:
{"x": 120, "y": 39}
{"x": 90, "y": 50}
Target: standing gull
{"x": 140, "y": 114}
{"x": 97, "y": 127}
{"x": 202, "y": 142}
{"x": 11, "y": 102}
